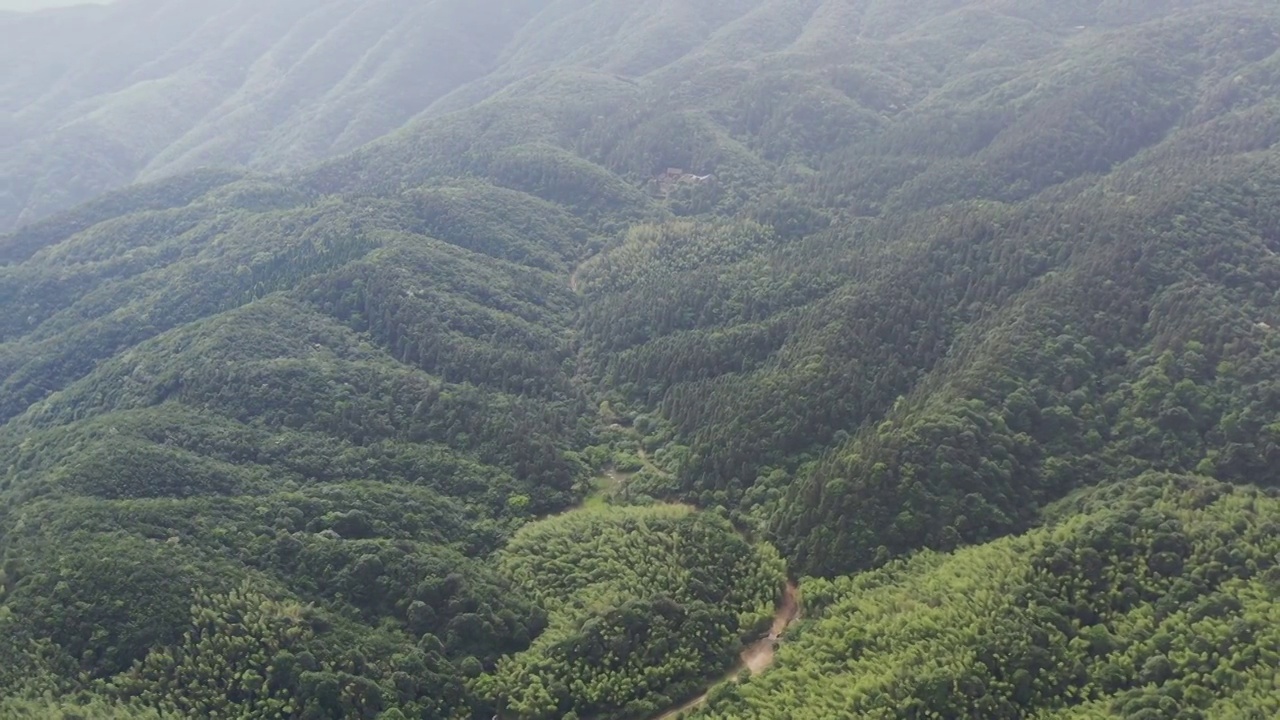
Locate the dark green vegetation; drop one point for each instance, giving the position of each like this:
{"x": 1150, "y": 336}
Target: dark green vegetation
{"x": 278, "y": 435}
{"x": 358, "y": 443}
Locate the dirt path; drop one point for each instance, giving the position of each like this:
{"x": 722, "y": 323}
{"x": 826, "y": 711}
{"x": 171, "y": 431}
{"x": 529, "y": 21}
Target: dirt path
{"x": 759, "y": 655}
{"x": 756, "y": 657}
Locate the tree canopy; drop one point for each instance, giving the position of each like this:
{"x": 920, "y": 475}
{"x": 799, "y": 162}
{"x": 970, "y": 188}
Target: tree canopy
{"x": 460, "y": 359}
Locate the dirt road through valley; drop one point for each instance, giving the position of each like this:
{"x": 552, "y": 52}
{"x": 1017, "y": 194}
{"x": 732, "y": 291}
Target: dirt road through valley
{"x": 756, "y": 657}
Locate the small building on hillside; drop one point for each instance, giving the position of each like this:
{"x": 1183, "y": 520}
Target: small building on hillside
{"x": 665, "y": 183}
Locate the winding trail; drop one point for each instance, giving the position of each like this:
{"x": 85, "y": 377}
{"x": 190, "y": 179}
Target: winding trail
{"x": 758, "y": 656}
{"x": 573, "y": 277}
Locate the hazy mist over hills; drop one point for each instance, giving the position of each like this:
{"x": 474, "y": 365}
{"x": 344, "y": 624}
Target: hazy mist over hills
{"x": 29, "y": 5}
{"x": 550, "y": 359}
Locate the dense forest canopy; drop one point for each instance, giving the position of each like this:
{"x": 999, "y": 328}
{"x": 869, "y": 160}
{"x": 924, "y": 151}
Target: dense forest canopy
{"x": 459, "y": 359}
{"x": 1139, "y": 601}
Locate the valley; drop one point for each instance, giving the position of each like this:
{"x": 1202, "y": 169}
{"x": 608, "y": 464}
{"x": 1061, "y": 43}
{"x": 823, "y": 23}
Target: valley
{"x": 758, "y": 653}
{"x": 756, "y": 657}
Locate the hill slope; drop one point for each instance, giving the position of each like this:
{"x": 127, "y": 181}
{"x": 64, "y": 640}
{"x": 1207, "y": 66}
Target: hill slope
{"x": 925, "y": 272}
{"x": 97, "y": 98}
{"x": 1116, "y": 609}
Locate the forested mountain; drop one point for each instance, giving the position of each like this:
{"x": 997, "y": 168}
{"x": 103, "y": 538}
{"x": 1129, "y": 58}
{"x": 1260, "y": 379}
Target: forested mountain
{"x": 97, "y": 98}
{"x": 962, "y": 311}
{"x": 1141, "y": 601}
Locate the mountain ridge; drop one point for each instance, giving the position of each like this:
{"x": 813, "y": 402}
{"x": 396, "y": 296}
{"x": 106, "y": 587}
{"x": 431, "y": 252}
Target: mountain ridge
{"x": 221, "y": 88}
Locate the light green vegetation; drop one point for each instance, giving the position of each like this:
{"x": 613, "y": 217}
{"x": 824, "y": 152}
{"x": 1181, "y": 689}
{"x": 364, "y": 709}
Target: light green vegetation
{"x": 602, "y": 489}
{"x": 645, "y": 604}
{"x": 1151, "y": 599}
